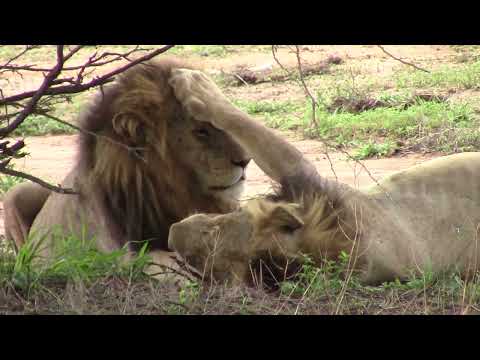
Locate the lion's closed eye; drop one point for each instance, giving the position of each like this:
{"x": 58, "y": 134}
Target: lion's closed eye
{"x": 201, "y": 133}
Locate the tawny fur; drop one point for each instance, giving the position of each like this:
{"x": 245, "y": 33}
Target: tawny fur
{"x": 142, "y": 171}
{"x": 426, "y": 218}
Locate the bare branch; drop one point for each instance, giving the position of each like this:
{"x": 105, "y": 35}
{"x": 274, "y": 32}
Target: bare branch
{"x": 301, "y": 78}
{"x": 305, "y": 88}
{"x": 402, "y": 61}
{"x": 54, "y": 72}
{"x": 72, "y": 52}
{"x": 19, "y": 55}
{"x": 130, "y": 149}
{"x": 57, "y": 189}
{"x": 93, "y": 61}
{"x": 73, "y": 89}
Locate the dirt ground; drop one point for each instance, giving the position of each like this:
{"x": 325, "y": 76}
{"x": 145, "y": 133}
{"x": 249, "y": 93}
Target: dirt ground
{"x": 365, "y": 59}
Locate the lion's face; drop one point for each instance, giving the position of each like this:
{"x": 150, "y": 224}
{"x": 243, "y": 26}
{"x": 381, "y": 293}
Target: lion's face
{"x": 146, "y": 114}
{"x": 216, "y": 161}
{"x": 216, "y": 245}
{"x": 225, "y": 247}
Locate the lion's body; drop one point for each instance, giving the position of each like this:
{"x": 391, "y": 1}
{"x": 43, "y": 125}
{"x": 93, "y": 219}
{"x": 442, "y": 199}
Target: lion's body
{"x": 425, "y": 218}
{"x": 142, "y": 164}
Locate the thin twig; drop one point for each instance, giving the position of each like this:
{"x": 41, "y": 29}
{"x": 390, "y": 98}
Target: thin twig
{"x": 305, "y": 87}
{"x": 34, "y": 179}
{"x": 52, "y": 75}
{"x": 402, "y": 61}
{"x": 130, "y": 149}
{"x": 93, "y": 61}
{"x": 73, "y": 89}
{"x": 16, "y": 57}
{"x": 314, "y": 105}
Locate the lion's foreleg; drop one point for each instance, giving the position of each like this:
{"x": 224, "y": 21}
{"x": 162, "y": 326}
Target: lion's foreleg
{"x": 109, "y": 233}
{"x": 22, "y": 204}
{"x": 204, "y": 101}
{"x": 275, "y": 156}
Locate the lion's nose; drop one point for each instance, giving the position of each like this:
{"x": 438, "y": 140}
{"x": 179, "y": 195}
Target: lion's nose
{"x": 242, "y": 163}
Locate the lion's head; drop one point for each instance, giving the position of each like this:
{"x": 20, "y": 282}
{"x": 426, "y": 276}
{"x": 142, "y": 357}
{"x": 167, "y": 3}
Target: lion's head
{"x": 262, "y": 239}
{"x": 155, "y": 164}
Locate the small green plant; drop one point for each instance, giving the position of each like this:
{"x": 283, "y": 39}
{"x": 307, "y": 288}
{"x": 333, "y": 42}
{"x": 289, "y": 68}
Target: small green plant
{"x": 189, "y": 292}
{"x": 372, "y": 149}
{"x": 415, "y": 281}
{"x": 316, "y": 281}
{"x": 24, "y": 275}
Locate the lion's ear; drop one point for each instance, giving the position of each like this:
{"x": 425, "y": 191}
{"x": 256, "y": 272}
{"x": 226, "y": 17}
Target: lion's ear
{"x": 130, "y": 128}
{"x": 285, "y": 217}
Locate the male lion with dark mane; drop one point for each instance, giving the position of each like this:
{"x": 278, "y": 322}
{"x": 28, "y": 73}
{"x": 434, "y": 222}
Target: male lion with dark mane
{"x": 143, "y": 163}
{"x": 424, "y": 218}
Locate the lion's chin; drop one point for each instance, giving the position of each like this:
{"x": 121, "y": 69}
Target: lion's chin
{"x": 232, "y": 192}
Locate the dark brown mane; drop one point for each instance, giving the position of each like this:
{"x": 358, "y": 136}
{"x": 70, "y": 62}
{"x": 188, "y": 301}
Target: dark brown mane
{"x": 145, "y": 187}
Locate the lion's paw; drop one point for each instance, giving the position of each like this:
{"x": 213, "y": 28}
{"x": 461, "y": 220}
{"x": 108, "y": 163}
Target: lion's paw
{"x": 167, "y": 267}
{"x": 198, "y": 94}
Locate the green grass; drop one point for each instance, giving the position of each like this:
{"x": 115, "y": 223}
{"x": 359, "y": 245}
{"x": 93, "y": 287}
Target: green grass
{"x": 394, "y": 122}
{"x": 202, "y": 50}
{"x": 376, "y": 132}
{"x": 65, "y": 110}
{"x": 316, "y": 281}
{"x": 372, "y": 149}
{"x": 37, "y": 125}
{"x": 280, "y": 115}
{"x": 465, "y": 76}
{"x": 73, "y": 259}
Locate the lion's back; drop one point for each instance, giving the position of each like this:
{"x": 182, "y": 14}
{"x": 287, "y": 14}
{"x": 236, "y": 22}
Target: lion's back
{"x": 434, "y": 212}
{"x": 457, "y": 174}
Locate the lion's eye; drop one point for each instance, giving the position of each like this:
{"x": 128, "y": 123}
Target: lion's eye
{"x": 201, "y": 133}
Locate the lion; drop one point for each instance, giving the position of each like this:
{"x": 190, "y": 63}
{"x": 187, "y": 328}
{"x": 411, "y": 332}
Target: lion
{"x": 425, "y": 218}
{"x": 142, "y": 164}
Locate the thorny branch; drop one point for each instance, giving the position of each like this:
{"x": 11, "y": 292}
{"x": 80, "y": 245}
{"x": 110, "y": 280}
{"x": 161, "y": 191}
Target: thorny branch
{"x": 57, "y": 87}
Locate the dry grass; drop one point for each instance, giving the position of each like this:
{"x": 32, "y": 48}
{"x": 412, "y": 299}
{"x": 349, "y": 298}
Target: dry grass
{"x": 315, "y": 291}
